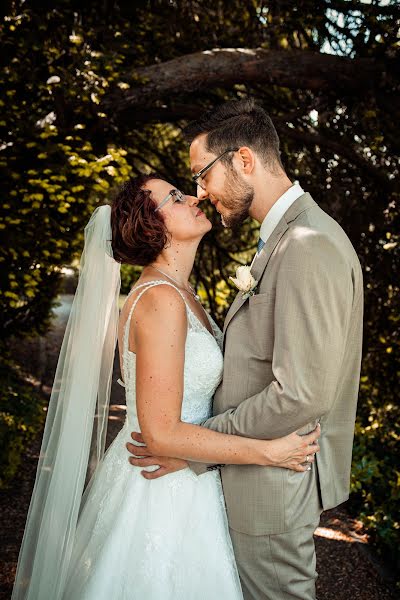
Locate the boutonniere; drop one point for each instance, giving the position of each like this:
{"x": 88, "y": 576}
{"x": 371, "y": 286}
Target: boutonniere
{"x": 245, "y": 281}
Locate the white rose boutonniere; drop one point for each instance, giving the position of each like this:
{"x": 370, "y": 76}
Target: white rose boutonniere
{"x": 245, "y": 281}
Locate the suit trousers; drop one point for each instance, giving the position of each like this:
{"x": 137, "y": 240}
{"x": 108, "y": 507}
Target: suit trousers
{"x": 277, "y": 567}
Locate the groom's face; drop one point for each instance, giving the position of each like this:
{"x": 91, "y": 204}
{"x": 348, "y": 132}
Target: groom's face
{"x": 224, "y": 186}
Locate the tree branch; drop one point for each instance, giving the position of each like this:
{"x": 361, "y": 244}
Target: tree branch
{"x": 296, "y": 69}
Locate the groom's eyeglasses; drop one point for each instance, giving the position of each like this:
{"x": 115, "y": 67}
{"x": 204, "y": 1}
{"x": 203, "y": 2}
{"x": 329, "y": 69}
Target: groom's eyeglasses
{"x": 176, "y": 195}
{"x": 198, "y": 177}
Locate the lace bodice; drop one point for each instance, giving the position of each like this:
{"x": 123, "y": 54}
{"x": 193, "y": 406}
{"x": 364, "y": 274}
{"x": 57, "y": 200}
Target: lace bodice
{"x": 202, "y": 369}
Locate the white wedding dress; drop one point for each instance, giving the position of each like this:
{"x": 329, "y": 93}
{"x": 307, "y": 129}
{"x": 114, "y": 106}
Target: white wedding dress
{"x": 165, "y": 539}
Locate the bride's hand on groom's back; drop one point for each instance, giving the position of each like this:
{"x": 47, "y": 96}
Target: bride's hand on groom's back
{"x": 141, "y": 458}
{"x": 294, "y": 451}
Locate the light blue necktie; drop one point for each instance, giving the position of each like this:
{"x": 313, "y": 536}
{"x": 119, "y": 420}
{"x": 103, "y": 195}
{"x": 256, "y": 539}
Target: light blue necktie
{"x": 260, "y": 245}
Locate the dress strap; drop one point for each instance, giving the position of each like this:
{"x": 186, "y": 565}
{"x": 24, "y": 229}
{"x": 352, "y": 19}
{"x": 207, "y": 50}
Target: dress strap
{"x": 146, "y": 286}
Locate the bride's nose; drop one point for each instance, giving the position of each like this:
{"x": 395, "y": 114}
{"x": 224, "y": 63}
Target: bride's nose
{"x": 193, "y": 201}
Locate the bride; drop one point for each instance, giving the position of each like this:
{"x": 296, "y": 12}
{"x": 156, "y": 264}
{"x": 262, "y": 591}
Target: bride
{"x": 127, "y": 537}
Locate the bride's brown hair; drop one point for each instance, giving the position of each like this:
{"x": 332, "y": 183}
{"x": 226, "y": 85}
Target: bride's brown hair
{"x": 139, "y": 233}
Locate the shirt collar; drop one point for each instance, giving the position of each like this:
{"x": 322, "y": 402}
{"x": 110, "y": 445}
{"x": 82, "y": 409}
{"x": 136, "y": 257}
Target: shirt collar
{"x": 278, "y": 209}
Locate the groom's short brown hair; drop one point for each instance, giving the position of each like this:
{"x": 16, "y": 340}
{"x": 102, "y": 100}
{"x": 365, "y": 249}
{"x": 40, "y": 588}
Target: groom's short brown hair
{"x": 238, "y": 123}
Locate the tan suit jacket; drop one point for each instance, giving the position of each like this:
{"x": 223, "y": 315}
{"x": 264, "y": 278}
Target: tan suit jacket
{"x": 292, "y": 356}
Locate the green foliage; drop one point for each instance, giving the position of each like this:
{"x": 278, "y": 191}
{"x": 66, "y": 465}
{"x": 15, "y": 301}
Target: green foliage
{"x": 376, "y": 470}
{"x": 375, "y": 474}
{"x": 129, "y": 274}
{"x": 22, "y": 415}
{"x": 52, "y": 174}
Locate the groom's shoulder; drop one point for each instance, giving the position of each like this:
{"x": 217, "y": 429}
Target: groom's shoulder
{"x": 307, "y": 212}
{"x": 311, "y": 220}
{"x": 314, "y": 230}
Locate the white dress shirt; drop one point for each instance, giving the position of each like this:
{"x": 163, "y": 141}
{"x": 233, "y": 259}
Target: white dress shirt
{"x": 278, "y": 209}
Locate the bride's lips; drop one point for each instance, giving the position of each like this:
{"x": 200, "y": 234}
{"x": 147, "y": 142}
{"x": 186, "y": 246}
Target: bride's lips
{"x": 199, "y": 213}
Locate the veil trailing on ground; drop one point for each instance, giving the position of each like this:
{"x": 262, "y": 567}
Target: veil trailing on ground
{"x": 76, "y": 423}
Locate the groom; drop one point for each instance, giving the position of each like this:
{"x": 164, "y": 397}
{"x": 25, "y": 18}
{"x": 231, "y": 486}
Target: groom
{"x": 292, "y": 351}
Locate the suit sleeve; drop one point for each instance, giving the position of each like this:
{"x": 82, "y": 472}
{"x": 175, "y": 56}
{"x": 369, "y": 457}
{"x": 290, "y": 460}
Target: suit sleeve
{"x": 314, "y": 295}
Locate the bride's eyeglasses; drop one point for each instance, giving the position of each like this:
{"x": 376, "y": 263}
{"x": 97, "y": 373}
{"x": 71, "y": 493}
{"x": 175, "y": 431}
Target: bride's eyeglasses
{"x": 176, "y": 195}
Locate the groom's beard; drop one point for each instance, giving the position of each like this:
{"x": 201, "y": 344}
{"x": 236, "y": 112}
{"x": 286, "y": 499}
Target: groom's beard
{"x": 238, "y": 196}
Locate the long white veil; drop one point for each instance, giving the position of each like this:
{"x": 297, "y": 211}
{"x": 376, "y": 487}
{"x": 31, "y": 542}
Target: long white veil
{"x": 70, "y": 442}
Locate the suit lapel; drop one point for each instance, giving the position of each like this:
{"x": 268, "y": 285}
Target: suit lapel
{"x": 258, "y": 268}
{"x": 236, "y": 304}
{"x": 260, "y": 263}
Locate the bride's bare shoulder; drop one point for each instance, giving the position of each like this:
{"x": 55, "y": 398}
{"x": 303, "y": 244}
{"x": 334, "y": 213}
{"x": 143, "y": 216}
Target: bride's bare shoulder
{"x": 157, "y": 302}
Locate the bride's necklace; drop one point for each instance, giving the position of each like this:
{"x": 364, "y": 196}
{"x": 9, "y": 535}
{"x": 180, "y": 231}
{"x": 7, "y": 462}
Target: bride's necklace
{"x": 190, "y": 290}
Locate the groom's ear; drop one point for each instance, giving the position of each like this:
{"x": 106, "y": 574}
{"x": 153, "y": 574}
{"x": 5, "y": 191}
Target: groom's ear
{"x": 247, "y": 159}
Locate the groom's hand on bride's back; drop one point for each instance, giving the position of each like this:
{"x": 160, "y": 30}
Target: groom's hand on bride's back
{"x": 141, "y": 458}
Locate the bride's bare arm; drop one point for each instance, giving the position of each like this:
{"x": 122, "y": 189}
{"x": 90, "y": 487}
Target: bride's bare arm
{"x": 158, "y": 329}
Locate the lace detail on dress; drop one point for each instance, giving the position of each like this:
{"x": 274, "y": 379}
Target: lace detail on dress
{"x": 203, "y": 363}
